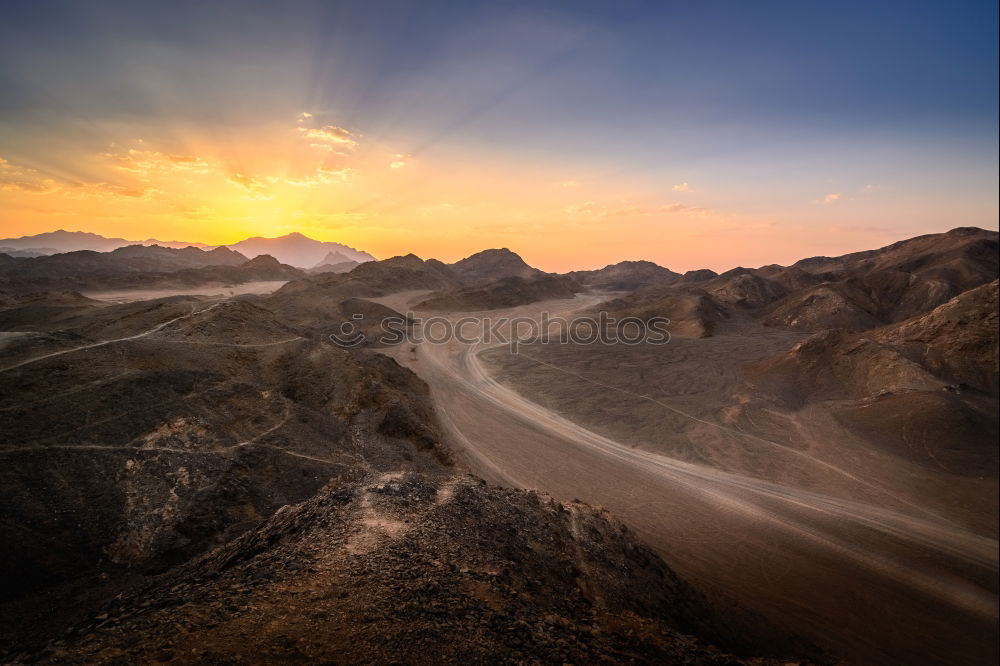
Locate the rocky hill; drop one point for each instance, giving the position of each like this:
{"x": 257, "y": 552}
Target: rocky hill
{"x": 401, "y": 567}
{"x": 865, "y": 289}
{"x": 692, "y": 312}
{"x": 318, "y": 309}
{"x": 344, "y": 267}
{"x": 44, "y": 310}
{"x": 261, "y": 267}
{"x": 183, "y": 435}
{"x": 368, "y": 280}
{"x": 855, "y": 292}
{"x": 698, "y": 275}
{"x": 625, "y": 276}
{"x": 956, "y": 341}
{"x": 130, "y": 259}
{"x": 136, "y": 267}
{"x": 492, "y": 264}
{"x": 402, "y": 274}
{"x": 504, "y": 292}
{"x": 924, "y": 389}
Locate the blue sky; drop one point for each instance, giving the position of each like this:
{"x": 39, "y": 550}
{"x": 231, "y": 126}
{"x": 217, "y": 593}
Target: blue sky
{"x": 765, "y": 109}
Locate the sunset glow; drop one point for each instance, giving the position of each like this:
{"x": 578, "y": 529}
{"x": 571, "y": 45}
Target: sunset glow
{"x": 384, "y": 130}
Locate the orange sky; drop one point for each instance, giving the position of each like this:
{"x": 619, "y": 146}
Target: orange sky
{"x": 310, "y": 175}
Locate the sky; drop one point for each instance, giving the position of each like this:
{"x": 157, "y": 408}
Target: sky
{"x": 578, "y": 134}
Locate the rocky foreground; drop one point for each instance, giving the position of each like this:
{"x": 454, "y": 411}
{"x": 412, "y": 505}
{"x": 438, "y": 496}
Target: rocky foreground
{"x": 399, "y": 568}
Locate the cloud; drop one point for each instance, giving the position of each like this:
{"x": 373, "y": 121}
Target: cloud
{"x": 831, "y": 198}
{"x": 257, "y": 187}
{"x": 99, "y": 190}
{"x": 323, "y": 177}
{"x": 145, "y": 163}
{"x": 680, "y": 208}
{"x": 326, "y": 176}
{"x": 304, "y": 116}
{"x": 36, "y": 187}
{"x": 14, "y": 178}
{"x": 869, "y": 188}
{"x": 329, "y": 137}
{"x": 398, "y": 162}
{"x": 568, "y": 183}
{"x": 681, "y": 187}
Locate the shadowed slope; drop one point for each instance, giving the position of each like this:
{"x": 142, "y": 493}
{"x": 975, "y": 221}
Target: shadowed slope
{"x": 399, "y": 568}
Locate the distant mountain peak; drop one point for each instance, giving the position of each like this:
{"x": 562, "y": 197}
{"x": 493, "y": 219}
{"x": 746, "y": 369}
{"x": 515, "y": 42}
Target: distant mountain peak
{"x": 263, "y": 260}
{"x": 333, "y": 257}
{"x": 297, "y": 249}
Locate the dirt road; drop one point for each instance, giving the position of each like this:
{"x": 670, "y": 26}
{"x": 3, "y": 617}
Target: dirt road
{"x": 874, "y": 582}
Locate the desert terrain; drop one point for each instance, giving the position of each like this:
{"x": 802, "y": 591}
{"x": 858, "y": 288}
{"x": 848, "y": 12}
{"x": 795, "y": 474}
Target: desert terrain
{"x": 864, "y": 518}
{"x": 804, "y": 471}
{"x": 788, "y": 514}
{"x": 518, "y": 333}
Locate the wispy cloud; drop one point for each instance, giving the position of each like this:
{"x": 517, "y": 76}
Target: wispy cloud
{"x": 681, "y": 187}
{"x": 323, "y": 177}
{"x": 102, "y": 190}
{"x": 830, "y": 199}
{"x": 257, "y": 187}
{"x": 329, "y": 137}
{"x": 399, "y": 161}
{"x": 146, "y": 163}
{"x": 14, "y": 177}
{"x": 24, "y": 179}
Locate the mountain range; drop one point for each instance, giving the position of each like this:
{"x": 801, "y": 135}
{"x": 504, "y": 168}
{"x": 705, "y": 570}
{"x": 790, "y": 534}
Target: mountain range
{"x": 293, "y": 249}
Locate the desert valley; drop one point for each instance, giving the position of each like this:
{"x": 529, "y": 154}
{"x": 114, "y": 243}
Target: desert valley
{"x": 528, "y": 333}
{"x": 197, "y": 467}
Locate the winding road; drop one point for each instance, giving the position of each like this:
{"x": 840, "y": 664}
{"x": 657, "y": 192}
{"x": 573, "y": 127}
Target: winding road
{"x": 155, "y": 329}
{"x": 874, "y": 584}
